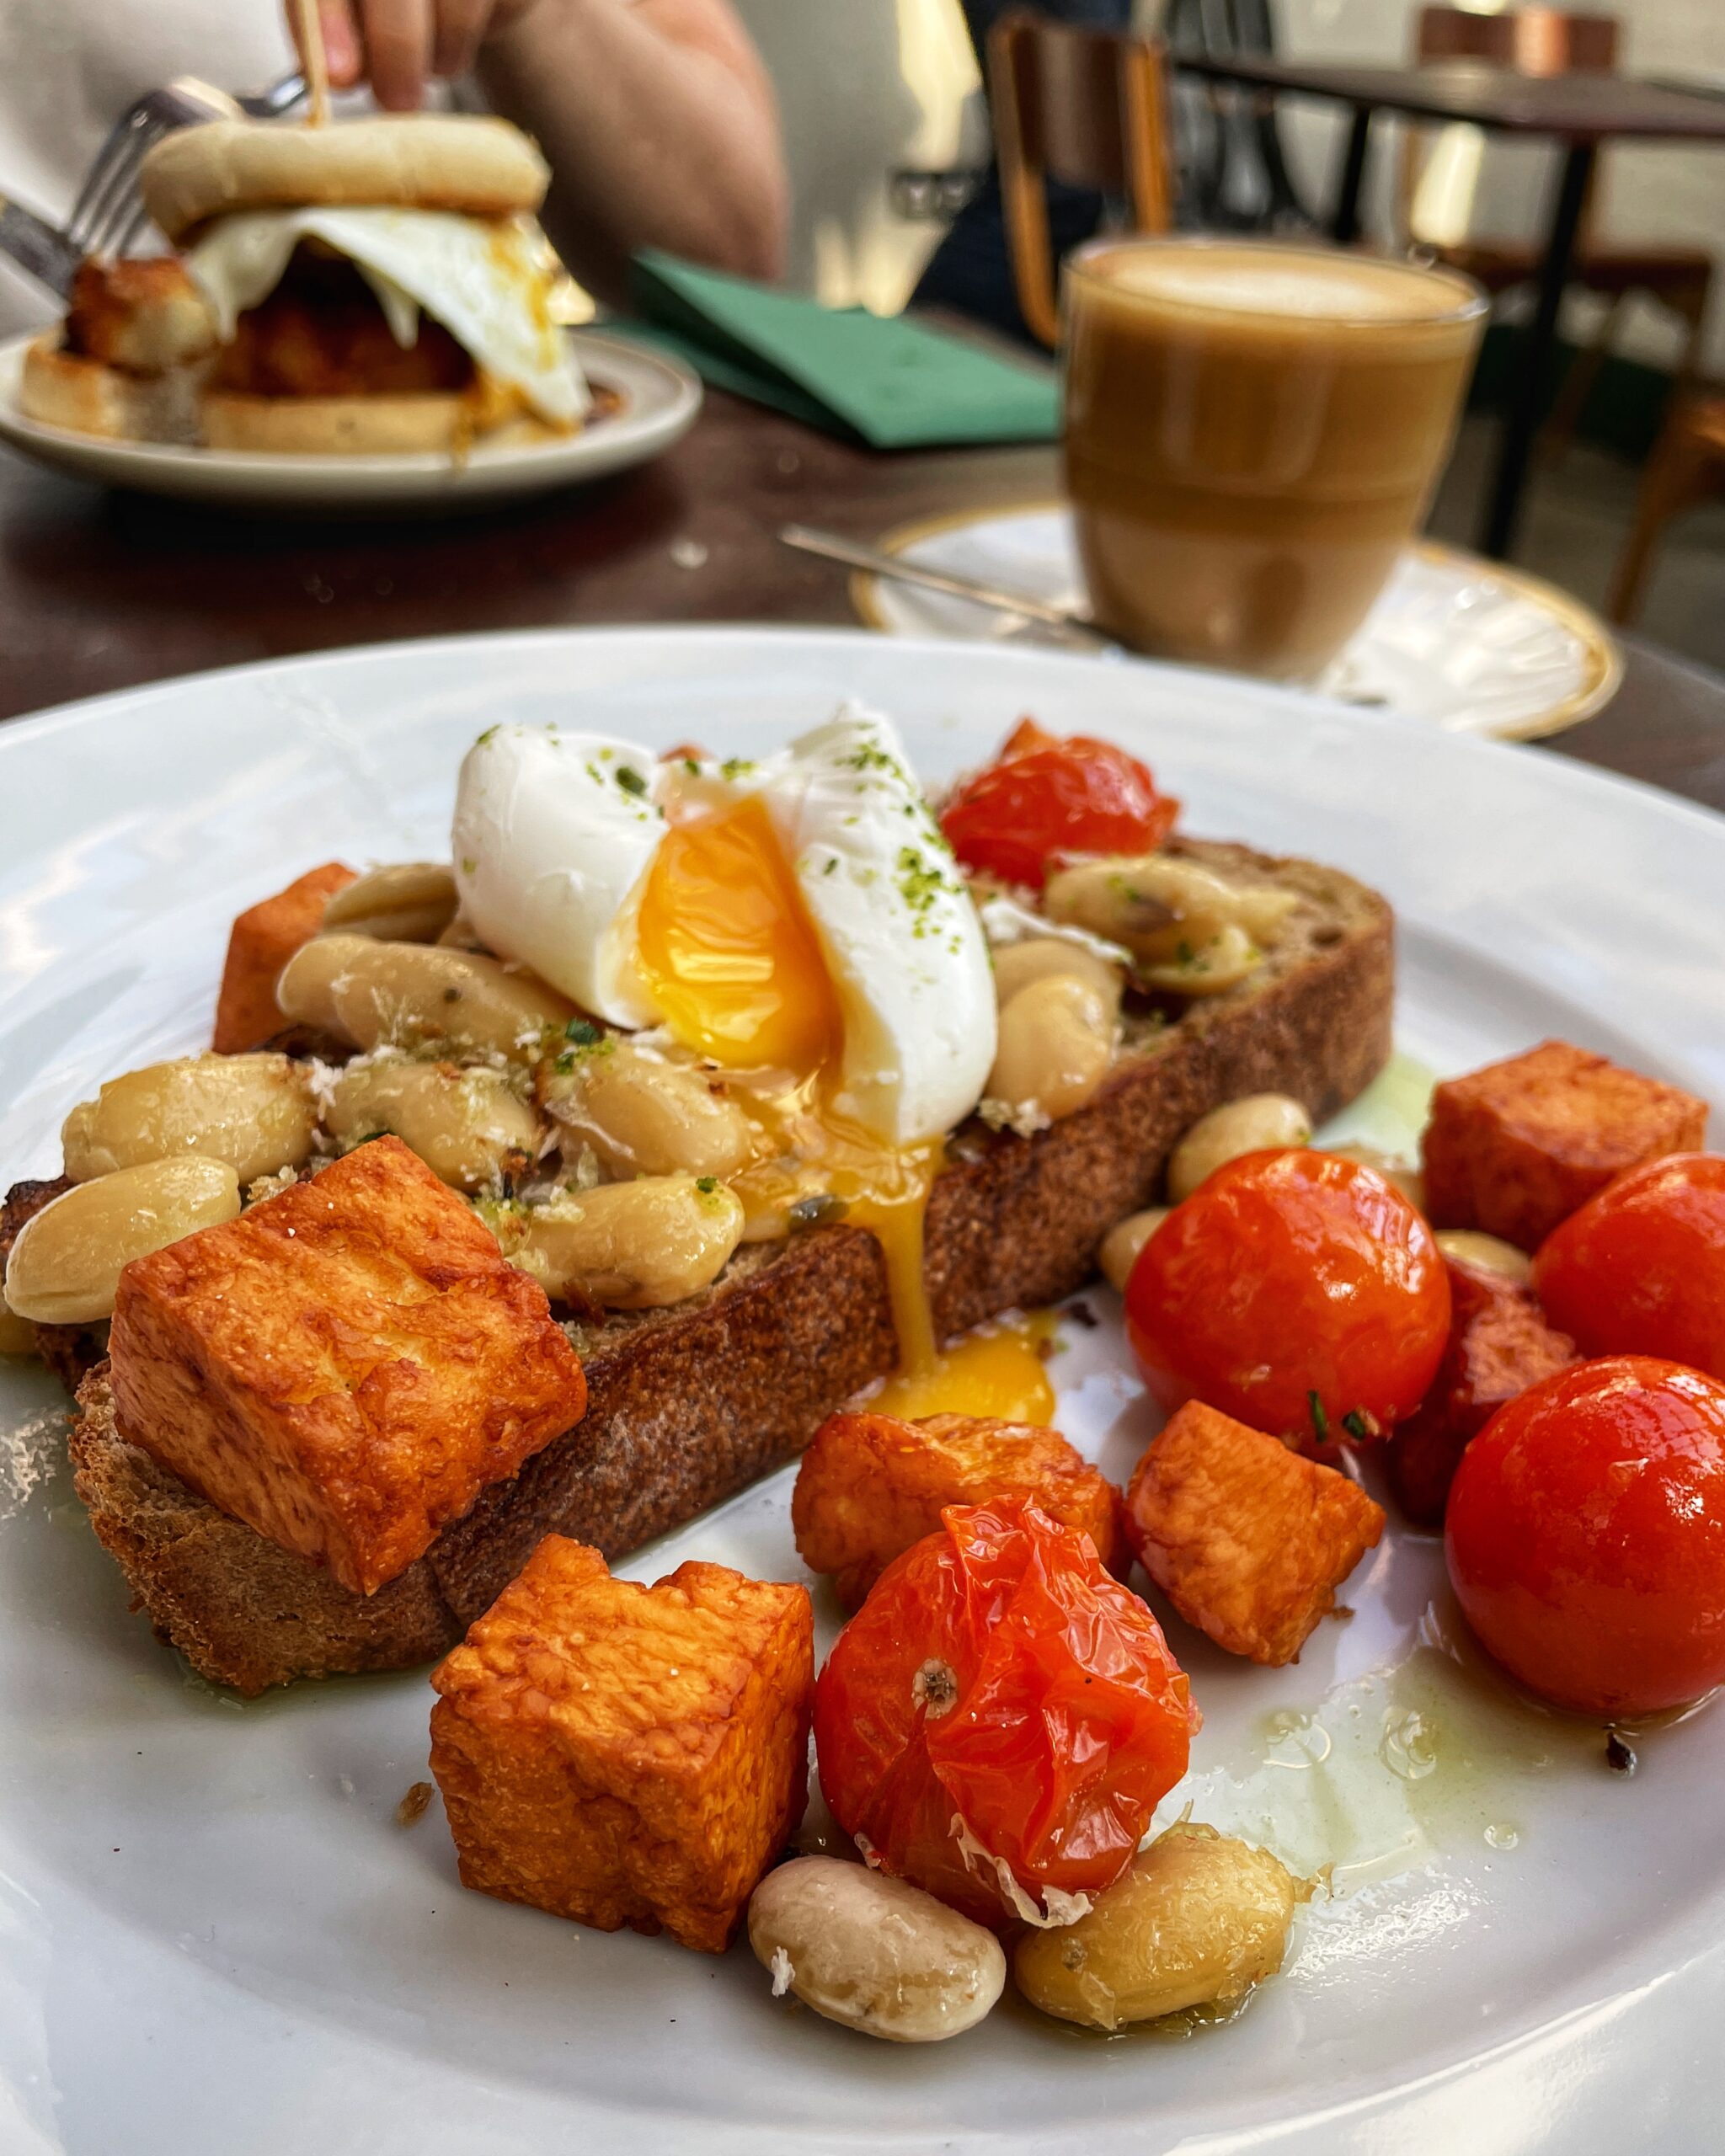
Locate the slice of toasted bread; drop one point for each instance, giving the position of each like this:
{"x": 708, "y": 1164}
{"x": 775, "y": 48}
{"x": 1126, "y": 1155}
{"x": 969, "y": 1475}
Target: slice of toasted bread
{"x": 688, "y": 1405}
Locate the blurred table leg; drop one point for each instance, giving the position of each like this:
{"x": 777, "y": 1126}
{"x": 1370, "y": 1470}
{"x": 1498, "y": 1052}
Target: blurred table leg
{"x": 1531, "y": 364}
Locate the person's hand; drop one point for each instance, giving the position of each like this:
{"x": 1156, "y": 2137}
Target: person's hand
{"x": 398, "y": 45}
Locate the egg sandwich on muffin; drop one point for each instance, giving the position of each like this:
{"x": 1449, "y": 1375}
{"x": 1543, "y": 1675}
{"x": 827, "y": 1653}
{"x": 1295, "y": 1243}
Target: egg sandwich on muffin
{"x": 378, "y": 287}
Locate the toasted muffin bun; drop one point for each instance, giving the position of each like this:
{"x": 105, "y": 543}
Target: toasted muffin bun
{"x": 445, "y": 421}
{"x": 480, "y": 167}
{"x": 87, "y": 397}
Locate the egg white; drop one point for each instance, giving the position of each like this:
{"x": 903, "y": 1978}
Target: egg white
{"x": 554, "y": 834}
{"x": 483, "y": 279}
{"x": 897, "y": 927}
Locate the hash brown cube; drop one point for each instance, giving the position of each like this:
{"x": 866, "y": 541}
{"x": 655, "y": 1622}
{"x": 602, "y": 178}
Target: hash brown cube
{"x": 345, "y": 1366}
{"x": 869, "y": 1486}
{"x": 262, "y": 941}
{"x": 1248, "y": 1540}
{"x": 1516, "y": 1148}
{"x": 622, "y": 1754}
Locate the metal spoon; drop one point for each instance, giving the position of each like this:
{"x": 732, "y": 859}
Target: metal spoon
{"x": 1076, "y": 627}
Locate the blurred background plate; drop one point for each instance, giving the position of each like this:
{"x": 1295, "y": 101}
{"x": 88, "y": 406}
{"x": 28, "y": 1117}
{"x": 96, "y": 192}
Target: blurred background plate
{"x": 659, "y": 398}
{"x": 1463, "y": 644}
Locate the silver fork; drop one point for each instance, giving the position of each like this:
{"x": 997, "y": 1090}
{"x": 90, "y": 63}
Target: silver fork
{"x": 109, "y": 214}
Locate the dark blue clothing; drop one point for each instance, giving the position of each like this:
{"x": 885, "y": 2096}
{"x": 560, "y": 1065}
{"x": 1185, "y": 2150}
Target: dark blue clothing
{"x": 971, "y": 269}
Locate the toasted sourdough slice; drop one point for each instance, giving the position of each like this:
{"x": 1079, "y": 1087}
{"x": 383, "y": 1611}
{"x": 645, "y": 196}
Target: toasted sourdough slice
{"x": 685, "y": 1405}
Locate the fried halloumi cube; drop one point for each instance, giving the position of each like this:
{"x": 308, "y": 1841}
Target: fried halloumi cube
{"x": 262, "y": 941}
{"x": 345, "y": 1366}
{"x": 1247, "y": 1540}
{"x": 624, "y": 1755}
{"x": 1516, "y": 1148}
{"x": 869, "y": 1486}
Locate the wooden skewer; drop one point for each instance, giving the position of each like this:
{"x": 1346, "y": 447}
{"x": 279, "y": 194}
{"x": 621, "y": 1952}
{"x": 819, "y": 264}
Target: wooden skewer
{"x": 309, "y": 25}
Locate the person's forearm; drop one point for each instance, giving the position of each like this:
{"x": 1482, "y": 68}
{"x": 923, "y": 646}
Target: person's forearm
{"x": 654, "y": 141}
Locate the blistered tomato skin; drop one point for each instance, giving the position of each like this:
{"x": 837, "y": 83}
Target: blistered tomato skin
{"x": 1640, "y": 1270}
{"x": 1001, "y": 1701}
{"x": 1049, "y": 799}
{"x": 1298, "y": 1292}
{"x": 1586, "y": 1536}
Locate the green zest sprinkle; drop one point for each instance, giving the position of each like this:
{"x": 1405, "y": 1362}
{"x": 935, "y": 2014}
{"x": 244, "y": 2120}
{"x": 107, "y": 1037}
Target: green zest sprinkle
{"x": 706, "y": 1185}
{"x": 832, "y": 862}
{"x": 630, "y": 780}
{"x": 1320, "y": 1421}
{"x": 1355, "y": 1425}
{"x": 692, "y": 766}
{"x": 469, "y": 864}
{"x": 583, "y": 1032}
{"x": 736, "y": 767}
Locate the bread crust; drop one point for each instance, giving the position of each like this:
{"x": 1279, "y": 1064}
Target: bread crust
{"x": 58, "y": 389}
{"x": 687, "y": 1406}
{"x": 474, "y": 165}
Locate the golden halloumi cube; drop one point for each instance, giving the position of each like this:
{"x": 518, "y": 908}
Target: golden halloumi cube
{"x": 623, "y": 1754}
{"x": 345, "y": 1367}
{"x": 1518, "y": 1147}
{"x": 1248, "y": 1540}
{"x": 869, "y": 1486}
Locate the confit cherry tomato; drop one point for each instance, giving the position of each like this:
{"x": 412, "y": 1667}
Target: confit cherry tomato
{"x": 1586, "y": 1536}
{"x": 1048, "y": 798}
{"x": 1640, "y": 1270}
{"x": 1298, "y": 1293}
{"x": 1001, "y": 1718}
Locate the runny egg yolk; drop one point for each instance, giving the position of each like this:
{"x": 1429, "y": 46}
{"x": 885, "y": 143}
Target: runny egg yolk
{"x": 736, "y": 966}
{"x": 998, "y": 1371}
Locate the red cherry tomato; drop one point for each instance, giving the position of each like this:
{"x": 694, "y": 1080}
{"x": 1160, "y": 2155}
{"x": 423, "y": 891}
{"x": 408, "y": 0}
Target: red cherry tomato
{"x": 1001, "y": 1716}
{"x": 1298, "y": 1293}
{"x": 1046, "y": 799}
{"x": 1586, "y": 1536}
{"x": 1640, "y": 1270}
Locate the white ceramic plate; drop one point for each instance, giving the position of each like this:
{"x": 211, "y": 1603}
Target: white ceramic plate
{"x": 1463, "y": 644}
{"x": 214, "y": 1936}
{"x": 660, "y": 398}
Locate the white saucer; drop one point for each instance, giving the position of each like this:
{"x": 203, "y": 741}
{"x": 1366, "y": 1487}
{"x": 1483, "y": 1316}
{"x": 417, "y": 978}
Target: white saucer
{"x": 660, "y": 397}
{"x": 1461, "y": 643}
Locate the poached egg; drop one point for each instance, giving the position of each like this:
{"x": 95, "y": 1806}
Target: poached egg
{"x": 795, "y": 922}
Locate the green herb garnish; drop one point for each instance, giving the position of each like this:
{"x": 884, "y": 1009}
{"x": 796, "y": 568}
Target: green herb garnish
{"x": 1320, "y": 1421}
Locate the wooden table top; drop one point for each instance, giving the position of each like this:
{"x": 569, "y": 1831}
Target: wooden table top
{"x": 1572, "y": 108}
{"x": 105, "y": 591}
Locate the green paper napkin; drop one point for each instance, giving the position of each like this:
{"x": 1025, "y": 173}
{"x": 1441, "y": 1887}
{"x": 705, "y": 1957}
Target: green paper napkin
{"x": 896, "y": 383}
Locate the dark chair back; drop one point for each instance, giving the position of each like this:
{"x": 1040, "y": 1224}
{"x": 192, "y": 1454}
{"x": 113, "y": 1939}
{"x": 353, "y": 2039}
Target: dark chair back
{"x": 1085, "y": 108}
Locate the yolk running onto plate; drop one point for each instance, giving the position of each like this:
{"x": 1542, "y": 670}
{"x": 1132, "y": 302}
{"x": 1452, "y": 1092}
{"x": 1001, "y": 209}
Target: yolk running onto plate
{"x": 737, "y": 966}
{"x": 998, "y": 1371}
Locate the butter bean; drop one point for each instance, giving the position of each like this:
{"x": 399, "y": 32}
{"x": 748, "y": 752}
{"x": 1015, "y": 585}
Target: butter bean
{"x": 1121, "y": 1245}
{"x": 644, "y": 1116}
{"x": 254, "y": 1112}
{"x": 400, "y": 995}
{"x": 629, "y": 1246}
{"x": 872, "y": 1953}
{"x": 404, "y": 902}
{"x": 1196, "y": 1920}
{"x": 1252, "y": 1124}
{"x": 1040, "y": 958}
{"x": 1055, "y": 1044}
{"x": 1486, "y": 1253}
{"x": 66, "y": 1264}
{"x": 465, "y": 1125}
